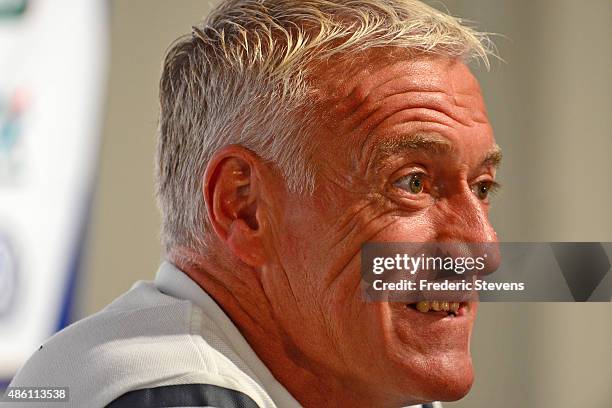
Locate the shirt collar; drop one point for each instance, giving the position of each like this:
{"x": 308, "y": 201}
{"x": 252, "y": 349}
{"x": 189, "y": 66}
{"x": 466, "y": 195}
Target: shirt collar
{"x": 174, "y": 282}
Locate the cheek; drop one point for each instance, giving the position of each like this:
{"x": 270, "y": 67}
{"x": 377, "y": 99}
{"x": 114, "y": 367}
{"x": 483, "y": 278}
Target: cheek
{"x": 419, "y": 227}
{"x": 296, "y": 231}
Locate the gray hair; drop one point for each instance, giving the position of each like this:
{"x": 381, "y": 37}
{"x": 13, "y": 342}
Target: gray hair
{"x": 241, "y": 76}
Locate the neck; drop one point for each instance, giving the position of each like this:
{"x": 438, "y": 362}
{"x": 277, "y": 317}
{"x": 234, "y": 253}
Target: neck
{"x": 238, "y": 291}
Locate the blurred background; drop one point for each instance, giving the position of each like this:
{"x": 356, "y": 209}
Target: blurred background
{"x": 78, "y": 222}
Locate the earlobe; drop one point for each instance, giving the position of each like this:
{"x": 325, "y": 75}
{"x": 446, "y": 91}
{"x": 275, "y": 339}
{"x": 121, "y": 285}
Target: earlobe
{"x": 240, "y": 241}
{"x": 232, "y": 200}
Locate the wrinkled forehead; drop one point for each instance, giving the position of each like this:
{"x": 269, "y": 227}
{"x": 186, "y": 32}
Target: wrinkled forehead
{"x": 383, "y": 93}
{"x": 347, "y": 81}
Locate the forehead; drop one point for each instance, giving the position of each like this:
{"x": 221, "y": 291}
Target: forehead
{"x": 356, "y": 77}
{"x": 381, "y": 95}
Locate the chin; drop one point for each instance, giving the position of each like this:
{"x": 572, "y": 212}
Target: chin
{"x": 454, "y": 385}
{"x": 442, "y": 377}
{"x": 427, "y": 355}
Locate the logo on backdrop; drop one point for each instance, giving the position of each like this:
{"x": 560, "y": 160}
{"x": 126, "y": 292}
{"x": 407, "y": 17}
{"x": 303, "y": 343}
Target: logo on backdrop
{"x": 10, "y": 9}
{"x": 12, "y": 110}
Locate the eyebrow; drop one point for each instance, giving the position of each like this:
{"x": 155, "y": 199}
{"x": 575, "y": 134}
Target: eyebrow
{"x": 424, "y": 142}
{"x": 428, "y": 142}
{"x": 493, "y": 158}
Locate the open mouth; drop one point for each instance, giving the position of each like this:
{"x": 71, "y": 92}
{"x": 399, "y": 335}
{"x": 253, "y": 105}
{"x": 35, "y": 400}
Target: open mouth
{"x": 440, "y": 307}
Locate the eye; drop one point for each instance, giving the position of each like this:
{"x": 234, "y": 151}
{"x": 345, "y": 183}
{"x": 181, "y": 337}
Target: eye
{"x": 482, "y": 189}
{"x": 412, "y": 183}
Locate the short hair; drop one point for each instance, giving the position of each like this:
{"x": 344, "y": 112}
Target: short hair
{"x": 241, "y": 75}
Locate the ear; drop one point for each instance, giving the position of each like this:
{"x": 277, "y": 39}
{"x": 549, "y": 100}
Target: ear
{"x": 231, "y": 188}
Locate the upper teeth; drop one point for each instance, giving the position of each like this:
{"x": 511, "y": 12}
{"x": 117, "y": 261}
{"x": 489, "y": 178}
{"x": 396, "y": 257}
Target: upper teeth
{"x": 425, "y": 306}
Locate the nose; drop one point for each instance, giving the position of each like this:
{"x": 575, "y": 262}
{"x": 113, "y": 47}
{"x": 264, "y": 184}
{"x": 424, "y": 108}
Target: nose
{"x": 465, "y": 222}
{"x": 465, "y": 218}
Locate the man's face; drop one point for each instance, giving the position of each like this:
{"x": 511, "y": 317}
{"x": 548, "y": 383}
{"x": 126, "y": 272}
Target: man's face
{"x": 404, "y": 153}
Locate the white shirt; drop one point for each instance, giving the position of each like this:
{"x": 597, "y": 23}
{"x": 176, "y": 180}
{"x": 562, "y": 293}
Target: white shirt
{"x": 165, "y": 339}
